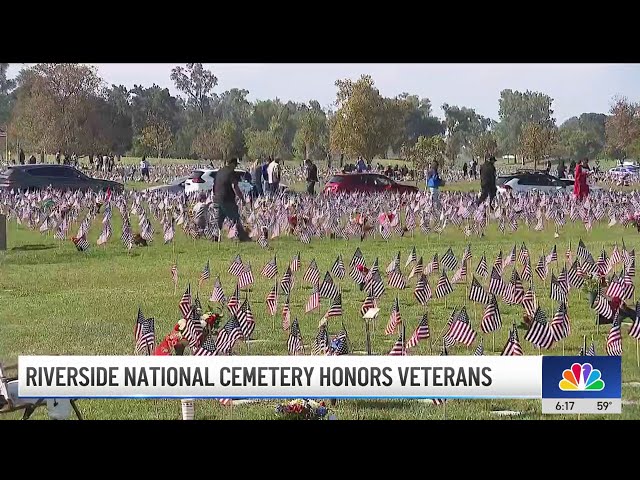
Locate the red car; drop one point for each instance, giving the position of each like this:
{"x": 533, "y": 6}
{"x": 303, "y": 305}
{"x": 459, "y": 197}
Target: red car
{"x": 365, "y": 182}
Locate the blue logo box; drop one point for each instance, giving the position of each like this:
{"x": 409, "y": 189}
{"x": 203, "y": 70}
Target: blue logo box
{"x": 610, "y": 369}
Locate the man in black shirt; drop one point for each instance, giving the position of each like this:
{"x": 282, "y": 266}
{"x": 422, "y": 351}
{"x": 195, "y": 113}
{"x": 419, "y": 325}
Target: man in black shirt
{"x": 225, "y": 189}
{"x": 312, "y": 177}
{"x": 488, "y": 182}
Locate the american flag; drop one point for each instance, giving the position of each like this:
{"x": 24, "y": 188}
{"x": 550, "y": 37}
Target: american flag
{"x": 193, "y": 329}
{"x": 338, "y": 268}
{"x": 287, "y": 282}
{"x": 375, "y": 268}
{"x": 467, "y": 254}
{"x": 461, "y": 274}
{"x": 229, "y": 335}
{"x": 294, "y": 344}
{"x": 208, "y": 347}
{"x": 530, "y": 303}
{"x": 629, "y": 287}
{"x": 526, "y": 272}
{"x": 295, "y": 262}
{"x": 81, "y": 243}
{"x": 573, "y": 277}
{"x": 443, "y": 287}
{"x": 481, "y": 269}
{"x": 553, "y": 256}
{"x": 602, "y": 307}
{"x": 477, "y": 293}
{"x": 234, "y": 300}
{"x": 421, "y": 332}
{"x": 496, "y": 284}
{"x": 434, "y": 266}
{"x": 247, "y": 322}
{"x": 339, "y": 344}
{"x": 322, "y": 340}
{"x": 272, "y": 300}
{"x": 560, "y": 326}
{"x": 634, "y": 331}
{"x": 217, "y": 295}
{"x": 461, "y": 330}
{"x": 336, "y": 307}
{"x": 539, "y": 332}
{"x": 398, "y": 348}
{"x": 286, "y": 314}
{"x": 105, "y": 235}
{"x": 541, "y": 268}
{"x": 394, "y": 319}
{"x": 206, "y": 273}
{"x": 512, "y": 348}
{"x": 591, "y": 351}
{"x": 563, "y": 281}
{"x": 412, "y": 257}
{"x": 511, "y": 258}
{"x": 396, "y": 280}
{"x": 616, "y": 288}
{"x": 328, "y": 289}
{"x": 145, "y": 334}
{"x": 312, "y": 275}
{"x": 602, "y": 262}
{"x": 357, "y": 259}
{"x": 498, "y": 263}
{"x": 369, "y": 302}
{"x": 422, "y": 291}
{"x": 479, "y": 351}
{"x": 246, "y": 277}
{"x": 558, "y": 293}
{"x": 263, "y": 238}
{"x": 185, "y": 302}
{"x": 582, "y": 252}
{"x": 516, "y": 289}
{"x": 314, "y": 299}
{"x": 270, "y": 269}
{"x": 375, "y": 285}
{"x": 127, "y": 237}
{"x": 614, "y": 339}
{"x": 236, "y": 266}
{"x": 491, "y": 320}
{"x": 449, "y": 259}
{"x": 394, "y": 264}
{"x": 174, "y": 274}
{"x": 523, "y": 255}
{"x": 418, "y": 268}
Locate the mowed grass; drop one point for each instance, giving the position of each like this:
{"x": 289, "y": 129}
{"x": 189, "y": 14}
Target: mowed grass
{"x": 56, "y": 300}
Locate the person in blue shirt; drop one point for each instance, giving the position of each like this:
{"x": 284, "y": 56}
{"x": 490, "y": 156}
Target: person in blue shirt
{"x": 434, "y": 182}
{"x": 361, "y": 165}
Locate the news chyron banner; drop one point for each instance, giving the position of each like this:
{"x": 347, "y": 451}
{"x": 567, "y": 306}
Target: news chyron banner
{"x": 585, "y": 381}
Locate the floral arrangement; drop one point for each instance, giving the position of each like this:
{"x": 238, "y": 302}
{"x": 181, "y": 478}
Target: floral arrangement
{"x": 591, "y": 284}
{"x": 302, "y": 409}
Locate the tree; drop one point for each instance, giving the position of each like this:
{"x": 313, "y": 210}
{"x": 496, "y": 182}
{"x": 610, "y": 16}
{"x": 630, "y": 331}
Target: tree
{"x": 536, "y": 141}
{"x": 462, "y": 126}
{"x": 425, "y": 151}
{"x": 517, "y": 109}
{"x": 6, "y": 99}
{"x": 312, "y": 127}
{"x": 197, "y": 83}
{"x": 622, "y": 127}
{"x": 53, "y": 107}
{"x": 365, "y": 122}
{"x": 484, "y": 145}
{"x": 157, "y": 137}
{"x": 582, "y": 136}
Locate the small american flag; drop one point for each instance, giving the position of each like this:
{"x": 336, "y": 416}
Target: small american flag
{"x": 81, "y": 243}
{"x": 328, "y": 289}
{"x": 449, "y": 260}
{"x": 443, "y": 287}
{"x": 369, "y": 303}
{"x": 246, "y": 277}
{"x": 246, "y": 320}
{"x": 287, "y": 282}
{"x": 286, "y": 314}
{"x": 398, "y": 348}
{"x": 491, "y": 320}
{"x": 422, "y": 292}
{"x": 236, "y": 266}
{"x": 314, "y": 299}
{"x": 512, "y": 348}
{"x": 206, "y": 273}
{"x": 295, "y": 263}
{"x": 560, "y": 326}
{"x": 217, "y": 295}
{"x": 185, "y": 302}
{"x": 272, "y": 300}
{"x": 461, "y": 330}
{"x": 412, "y": 257}
{"x": 234, "y": 300}
{"x": 614, "y": 339}
{"x": 481, "y": 269}
{"x": 477, "y": 293}
{"x": 229, "y": 335}
{"x": 312, "y": 275}
{"x": 294, "y": 344}
{"x": 270, "y": 269}
{"x": 322, "y": 340}
{"x": 145, "y": 335}
{"x": 539, "y": 332}
{"x": 396, "y": 280}
{"x": 336, "y": 307}
{"x": 207, "y": 348}
{"x": 174, "y": 274}
{"x": 634, "y": 331}
{"x": 338, "y": 268}
{"x": 394, "y": 319}
{"x": 479, "y": 349}
{"x": 420, "y": 333}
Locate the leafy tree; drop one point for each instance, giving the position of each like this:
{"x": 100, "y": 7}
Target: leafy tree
{"x": 623, "y": 127}
{"x": 312, "y": 128}
{"x": 157, "y": 137}
{"x": 536, "y": 141}
{"x": 462, "y": 126}
{"x": 484, "y": 145}
{"x": 425, "y": 151}
{"x": 365, "y": 123}
{"x": 216, "y": 143}
{"x": 582, "y": 136}
{"x": 6, "y": 99}
{"x": 517, "y": 109}
{"x": 197, "y": 83}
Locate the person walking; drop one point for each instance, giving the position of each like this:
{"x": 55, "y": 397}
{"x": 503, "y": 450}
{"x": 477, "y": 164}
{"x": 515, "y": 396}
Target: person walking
{"x": 273, "y": 175}
{"x": 265, "y": 175}
{"x": 256, "y": 178}
{"x": 144, "y": 168}
{"x": 572, "y": 167}
{"x": 312, "y": 177}
{"x": 488, "y": 182}
{"x": 580, "y": 185}
{"x": 561, "y": 169}
{"x": 200, "y": 213}
{"x": 433, "y": 184}
{"x": 464, "y": 170}
{"x": 225, "y": 191}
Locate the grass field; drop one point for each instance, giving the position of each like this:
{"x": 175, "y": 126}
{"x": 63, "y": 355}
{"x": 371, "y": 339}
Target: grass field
{"x": 55, "y": 300}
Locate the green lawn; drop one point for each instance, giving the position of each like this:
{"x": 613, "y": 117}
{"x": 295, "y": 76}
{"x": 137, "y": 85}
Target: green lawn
{"x": 55, "y": 300}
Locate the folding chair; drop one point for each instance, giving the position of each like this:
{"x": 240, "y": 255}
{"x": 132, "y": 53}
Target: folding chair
{"x": 10, "y": 402}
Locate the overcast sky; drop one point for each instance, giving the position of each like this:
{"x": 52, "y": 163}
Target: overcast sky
{"x": 575, "y": 88}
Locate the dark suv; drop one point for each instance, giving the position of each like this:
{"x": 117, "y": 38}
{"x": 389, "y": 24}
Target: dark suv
{"x": 365, "y": 182}
{"x": 60, "y": 177}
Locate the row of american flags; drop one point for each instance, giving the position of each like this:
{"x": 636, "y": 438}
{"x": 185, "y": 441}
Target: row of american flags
{"x": 336, "y": 216}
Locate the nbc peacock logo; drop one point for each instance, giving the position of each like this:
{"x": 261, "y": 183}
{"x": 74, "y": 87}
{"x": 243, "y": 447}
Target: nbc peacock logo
{"x": 582, "y": 377}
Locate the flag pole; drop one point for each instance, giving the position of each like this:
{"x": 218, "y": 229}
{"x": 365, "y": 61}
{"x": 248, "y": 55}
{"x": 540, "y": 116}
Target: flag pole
{"x": 584, "y": 344}
{"x": 637, "y": 353}
{"x": 493, "y": 341}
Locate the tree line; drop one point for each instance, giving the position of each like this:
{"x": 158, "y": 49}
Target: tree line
{"x": 68, "y": 107}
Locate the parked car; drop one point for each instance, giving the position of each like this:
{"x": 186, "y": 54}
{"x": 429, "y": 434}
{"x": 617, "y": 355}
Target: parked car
{"x": 365, "y": 182}
{"x": 202, "y": 180}
{"x": 535, "y": 181}
{"x": 62, "y": 177}
{"x": 623, "y": 170}
{"x": 176, "y": 186}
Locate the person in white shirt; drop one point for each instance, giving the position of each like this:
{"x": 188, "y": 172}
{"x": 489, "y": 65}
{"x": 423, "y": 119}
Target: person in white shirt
{"x": 273, "y": 175}
{"x": 144, "y": 168}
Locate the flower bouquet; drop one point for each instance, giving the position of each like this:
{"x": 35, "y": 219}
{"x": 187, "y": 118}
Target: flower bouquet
{"x": 302, "y": 409}
{"x": 210, "y": 322}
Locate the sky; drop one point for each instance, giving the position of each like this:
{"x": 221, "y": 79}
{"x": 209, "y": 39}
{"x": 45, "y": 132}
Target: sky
{"x": 575, "y": 88}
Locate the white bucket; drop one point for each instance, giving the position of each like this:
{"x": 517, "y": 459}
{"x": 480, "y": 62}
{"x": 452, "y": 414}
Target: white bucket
{"x": 188, "y": 409}
{"x": 59, "y": 408}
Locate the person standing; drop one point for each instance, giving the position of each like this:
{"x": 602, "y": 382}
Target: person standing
{"x": 488, "y": 182}
{"x": 200, "y": 213}
{"x": 580, "y": 185}
{"x": 433, "y": 184}
{"x": 21, "y": 157}
{"x": 572, "y": 167}
{"x": 225, "y": 191}
{"x": 265, "y": 175}
{"x": 273, "y": 175}
{"x": 464, "y": 170}
{"x": 144, "y": 168}
{"x": 361, "y": 166}
{"x": 561, "y": 169}
{"x": 58, "y": 157}
{"x": 312, "y": 177}
{"x": 32, "y": 160}
{"x": 256, "y": 178}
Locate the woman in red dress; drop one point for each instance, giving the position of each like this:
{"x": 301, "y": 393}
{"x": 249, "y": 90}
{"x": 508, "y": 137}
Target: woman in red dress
{"x": 580, "y": 186}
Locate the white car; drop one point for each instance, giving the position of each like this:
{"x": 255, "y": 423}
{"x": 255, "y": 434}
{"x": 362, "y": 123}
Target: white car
{"x": 535, "y": 181}
{"x": 623, "y": 170}
{"x": 202, "y": 180}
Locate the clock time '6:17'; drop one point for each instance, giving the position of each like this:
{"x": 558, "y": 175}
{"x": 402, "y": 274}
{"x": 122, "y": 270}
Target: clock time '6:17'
{"x": 567, "y": 406}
